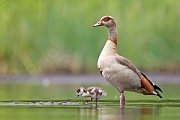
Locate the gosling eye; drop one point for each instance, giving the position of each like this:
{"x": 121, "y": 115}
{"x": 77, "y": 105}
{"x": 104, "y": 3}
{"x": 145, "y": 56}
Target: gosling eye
{"x": 78, "y": 90}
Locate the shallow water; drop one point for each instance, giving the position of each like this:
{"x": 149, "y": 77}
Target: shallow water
{"x": 45, "y": 100}
{"x": 133, "y": 110}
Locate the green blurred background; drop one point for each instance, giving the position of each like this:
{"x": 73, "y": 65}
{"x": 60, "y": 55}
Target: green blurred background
{"x": 56, "y": 36}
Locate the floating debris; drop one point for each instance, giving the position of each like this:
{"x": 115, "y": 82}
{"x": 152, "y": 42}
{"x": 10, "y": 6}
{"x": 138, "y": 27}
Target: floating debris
{"x": 40, "y": 103}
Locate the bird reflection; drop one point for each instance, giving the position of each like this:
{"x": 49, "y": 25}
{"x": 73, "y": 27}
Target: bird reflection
{"x": 90, "y": 112}
{"x": 131, "y": 112}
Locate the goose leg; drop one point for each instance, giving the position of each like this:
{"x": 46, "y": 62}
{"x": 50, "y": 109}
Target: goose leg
{"x": 122, "y": 99}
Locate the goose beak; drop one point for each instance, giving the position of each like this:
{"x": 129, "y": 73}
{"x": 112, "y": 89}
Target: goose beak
{"x": 100, "y": 23}
{"x": 77, "y": 96}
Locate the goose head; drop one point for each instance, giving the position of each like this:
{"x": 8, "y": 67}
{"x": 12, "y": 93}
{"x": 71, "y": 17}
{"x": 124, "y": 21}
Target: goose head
{"x": 106, "y": 21}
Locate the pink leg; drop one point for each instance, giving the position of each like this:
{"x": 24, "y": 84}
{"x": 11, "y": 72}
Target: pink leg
{"x": 122, "y": 99}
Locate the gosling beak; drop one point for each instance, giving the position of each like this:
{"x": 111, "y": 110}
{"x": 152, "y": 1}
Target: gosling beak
{"x": 100, "y": 23}
{"x": 77, "y": 96}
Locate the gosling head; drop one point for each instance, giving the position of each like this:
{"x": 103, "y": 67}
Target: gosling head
{"x": 80, "y": 91}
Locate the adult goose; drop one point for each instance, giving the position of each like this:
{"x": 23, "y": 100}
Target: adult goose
{"x": 119, "y": 71}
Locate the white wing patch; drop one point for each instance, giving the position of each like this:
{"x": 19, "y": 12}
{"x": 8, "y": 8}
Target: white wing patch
{"x": 100, "y": 91}
{"x": 93, "y": 90}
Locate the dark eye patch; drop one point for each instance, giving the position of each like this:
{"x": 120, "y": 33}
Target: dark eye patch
{"x": 106, "y": 19}
{"x": 78, "y": 90}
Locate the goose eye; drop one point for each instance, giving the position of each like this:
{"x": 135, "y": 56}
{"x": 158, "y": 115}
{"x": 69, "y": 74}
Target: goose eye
{"x": 84, "y": 91}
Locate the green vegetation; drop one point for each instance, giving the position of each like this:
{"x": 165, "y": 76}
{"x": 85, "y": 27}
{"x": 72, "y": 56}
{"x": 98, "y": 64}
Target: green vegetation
{"x": 50, "y": 36}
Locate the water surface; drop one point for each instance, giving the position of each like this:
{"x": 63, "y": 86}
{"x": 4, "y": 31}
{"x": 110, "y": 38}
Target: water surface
{"x": 106, "y": 110}
{"x": 44, "y": 100}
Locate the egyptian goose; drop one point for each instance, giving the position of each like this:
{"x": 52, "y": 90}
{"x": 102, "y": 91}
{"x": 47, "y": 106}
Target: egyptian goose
{"x": 94, "y": 93}
{"x": 119, "y": 71}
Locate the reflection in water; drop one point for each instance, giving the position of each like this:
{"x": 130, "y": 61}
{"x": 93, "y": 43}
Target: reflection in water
{"x": 134, "y": 112}
{"x": 90, "y": 113}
